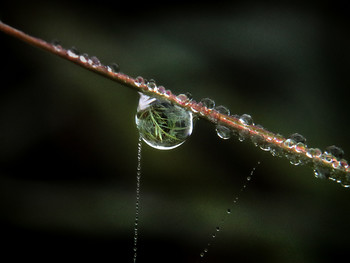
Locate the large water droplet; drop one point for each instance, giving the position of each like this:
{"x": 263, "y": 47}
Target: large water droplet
{"x": 161, "y": 124}
{"x": 223, "y": 132}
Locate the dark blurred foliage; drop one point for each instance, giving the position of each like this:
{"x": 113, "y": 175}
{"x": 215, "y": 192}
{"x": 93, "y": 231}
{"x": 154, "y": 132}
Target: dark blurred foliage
{"x": 68, "y": 142}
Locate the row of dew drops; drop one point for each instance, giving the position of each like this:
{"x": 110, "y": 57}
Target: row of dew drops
{"x": 93, "y": 61}
{"x": 296, "y": 143}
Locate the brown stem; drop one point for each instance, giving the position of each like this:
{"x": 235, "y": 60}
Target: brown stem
{"x": 337, "y": 170}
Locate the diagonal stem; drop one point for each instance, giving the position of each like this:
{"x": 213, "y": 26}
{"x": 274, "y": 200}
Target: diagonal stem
{"x": 334, "y": 168}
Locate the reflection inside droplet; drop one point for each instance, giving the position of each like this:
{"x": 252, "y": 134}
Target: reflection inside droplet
{"x": 161, "y": 124}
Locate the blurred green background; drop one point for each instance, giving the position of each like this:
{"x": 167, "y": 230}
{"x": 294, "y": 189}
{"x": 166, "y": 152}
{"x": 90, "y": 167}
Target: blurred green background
{"x": 68, "y": 141}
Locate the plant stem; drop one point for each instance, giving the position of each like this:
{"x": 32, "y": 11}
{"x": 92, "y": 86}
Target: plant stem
{"x": 339, "y": 170}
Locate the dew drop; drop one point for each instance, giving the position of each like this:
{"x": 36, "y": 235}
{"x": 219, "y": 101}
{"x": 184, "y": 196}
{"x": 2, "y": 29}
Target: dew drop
{"x": 162, "y": 125}
{"x": 321, "y": 172}
{"x": 57, "y": 45}
{"x": 223, "y": 132}
{"x": 73, "y": 52}
{"x": 296, "y": 137}
{"x": 115, "y": 67}
{"x": 246, "y": 119}
{"x": 94, "y": 61}
{"x": 208, "y": 103}
{"x": 335, "y": 151}
{"x": 139, "y": 81}
{"x": 84, "y": 58}
{"x": 242, "y": 135}
{"x": 183, "y": 99}
{"x": 222, "y": 109}
{"x": 300, "y": 147}
{"x": 228, "y": 211}
{"x": 151, "y": 85}
{"x": 189, "y": 95}
{"x": 314, "y": 153}
{"x": 289, "y": 143}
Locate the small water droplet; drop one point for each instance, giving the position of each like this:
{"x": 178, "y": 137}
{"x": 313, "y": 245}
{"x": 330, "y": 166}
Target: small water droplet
{"x": 189, "y": 95}
{"x": 313, "y": 153}
{"x": 84, "y": 58}
{"x": 217, "y": 228}
{"x": 73, "y": 52}
{"x": 228, "y": 211}
{"x": 300, "y": 147}
{"x": 249, "y": 178}
{"x": 57, "y": 45}
{"x": 321, "y": 172}
{"x": 94, "y": 61}
{"x": 222, "y": 109}
{"x": 202, "y": 254}
{"x": 115, "y": 67}
{"x": 151, "y": 84}
{"x": 208, "y": 103}
{"x": 246, "y": 119}
{"x": 335, "y": 151}
{"x": 161, "y": 124}
{"x": 296, "y": 137}
{"x": 139, "y": 81}
{"x": 223, "y": 132}
{"x": 289, "y": 143}
{"x": 242, "y": 135}
{"x": 161, "y": 89}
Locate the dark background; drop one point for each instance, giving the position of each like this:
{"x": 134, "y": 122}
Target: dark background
{"x": 68, "y": 142}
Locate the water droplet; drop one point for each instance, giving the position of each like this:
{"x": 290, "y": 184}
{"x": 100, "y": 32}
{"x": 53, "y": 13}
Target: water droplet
{"x": 84, "y": 58}
{"x": 151, "y": 84}
{"x": 161, "y": 89}
{"x": 228, "y": 211}
{"x": 289, "y": 143}
{"x": 161, "y": 124}
{"x": 73, "y": 52}
{"x": 223, "y": 132}
{"x": 300, "y": 147}
{"x": 115, "y": 67}
{"x": 222, "y": 109}
{"x": 335, "y": 151}
{"x": 296, "y": 137}
{"x": 189, "y": 95}
{"x": 246, "y": 119}
{"x": 321, "y": 172}
{"x": 314, "y": 153}
{"x": 217, "y": 229}
{"x": 57, "y": 45}
{"x": 242, "y": 135}
{"x": 139, "y": 81}
{"x": 94, "y": 61}
{"x": 208, "y": 103}
{"x": 202, "y": 254}
{"x": 183, "y": 99}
